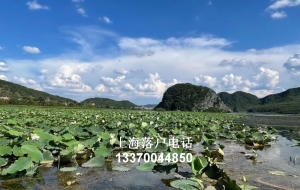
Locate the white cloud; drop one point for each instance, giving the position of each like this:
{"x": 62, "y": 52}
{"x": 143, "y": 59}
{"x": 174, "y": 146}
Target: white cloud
{"x": 82, "y": 12}
{"x": 267, "y": 78}
{"x": 106, "y": 19}
{"x": 206, "y": 80}
{"x": 1, "y": 48}
{"x": 33, "y": 50}
{"x": 30, "y": 83}
{"x": 101, "y": 88}
{"x": 232, "y": 81}
{"x": 209, "y": 3}
{"x": 3, "y": 67}
{"x": 240, "y": 63}
{"x": 121, "y": 71}
{"x": 33, "y": 5}
{"x": 154, "y": 86}
{"x": 293, "y": 64}
{"x": 67, "y": 77}
{"x": 77, "y": 1}
{"x": 3, "y": 77}
{"x": 278, "y": 15}
{"x": 279, "y": 4}
{"x": 128, "y": 86}
{"x": 113, "y": 82}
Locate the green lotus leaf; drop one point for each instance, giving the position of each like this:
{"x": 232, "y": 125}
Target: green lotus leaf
{"x": 68, "y": 136}
{"x": 11, "y": 122}
{"x": 199, "y": 164}
{"x": 15, "y": 133}
{"x": 104, "y": 135}
{"x": 68, "y": 169}
{"x": 146, "y": 167}
{"x": 17, "y": 151}
{"x": 3, "y": 162}
{"x": 47, "y": 158}
{"x": 5, "y": 150}
{"x": 33, "y": 152}
{"x": 97, "y": 161}
{"x": 45, "y": 137}
{"x": 90, "y": 142}
{"x": 121, "y": 168}
{"x": 22, "y": 163}
{"x": 32, "y": 169}
{"x": 96, "y": 129}
{"x": 103, "y": 151}
{"x": 185, "y": 185}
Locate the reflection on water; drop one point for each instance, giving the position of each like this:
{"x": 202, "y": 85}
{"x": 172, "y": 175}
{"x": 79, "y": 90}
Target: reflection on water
{"x": 274, "y": 158}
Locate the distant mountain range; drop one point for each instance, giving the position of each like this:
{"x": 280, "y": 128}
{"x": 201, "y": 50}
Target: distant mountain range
{"x": 284, "y": 102}
{"x": 108, "y": 103}
{"x": 287, "y": 102}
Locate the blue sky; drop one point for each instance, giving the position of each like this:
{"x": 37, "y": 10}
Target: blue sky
{"x": 135, "y": 49}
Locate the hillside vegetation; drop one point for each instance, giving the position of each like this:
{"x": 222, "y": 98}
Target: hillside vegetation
{"x": 108, "y": 103}
{"x": 189, "y": 97}
{"x": 15, "y": 94}
{"x": 239, "y": 101}
{"x": 287, "y": 102}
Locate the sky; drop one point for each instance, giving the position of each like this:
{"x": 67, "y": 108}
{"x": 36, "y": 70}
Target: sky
{"x": 135, "y": 50}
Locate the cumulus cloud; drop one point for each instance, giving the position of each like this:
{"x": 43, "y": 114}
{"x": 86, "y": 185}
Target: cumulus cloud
{"x": 3, "y": 77}
{"x": 33, "y": 50}
{"x": 240, "y": 63}
{"x": 154, "y": 86}
{"x": 267, "y": 78}
{"x": 278, "y": 15}
{"x": 128, "y": 87}
{"x": 106, "y": 19}
{"x": 206, "y": 80}
{"x": 68, "y": 78}
{"x": 3, "y": 67}
{"x": 82, "y": 12}
{"x": 279, "y": 4}
{"x": 293, "y": 64}
{"x": 113, "y": 82}
{"x": 231, "y": 81}
{"x": 33, "y": 5}
{"x": 101, "y": 88}
{"x": 30, "y": 83}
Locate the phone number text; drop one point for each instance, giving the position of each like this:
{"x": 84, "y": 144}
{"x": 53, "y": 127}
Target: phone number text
{"x": 154, "y": 157}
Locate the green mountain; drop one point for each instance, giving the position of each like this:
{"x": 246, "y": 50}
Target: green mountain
{"x": 189, "y": 97}
{"x": 108, "y": 103}
{"x": 287, "y": 102}
{"x": 239, "y": 101}
{"x": 15, "y": 94}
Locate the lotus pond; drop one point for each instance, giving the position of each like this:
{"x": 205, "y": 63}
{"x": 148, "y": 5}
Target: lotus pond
{"x": 42, "y": 148}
